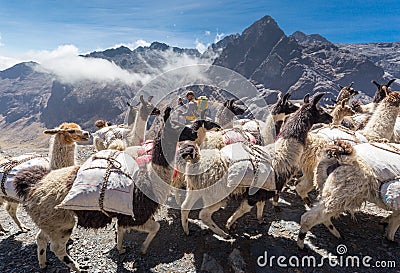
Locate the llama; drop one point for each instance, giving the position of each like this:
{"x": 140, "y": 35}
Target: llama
{"x": 346, "y": 93}
{"x": 380, "y": 126}
{"x": 227, "y": 113}
{"x": 42, "y": 192}
{"x": 206, "y": 170}
{"x": 261, "y": 132}
{"x": 62, "y": 152}
{"x": 341, "y": 111}
{"x": 348, "y": 182}
{"x": 136, "y": 121}
{"x": 380, "y": 94}
{"x": 63, "y": 144}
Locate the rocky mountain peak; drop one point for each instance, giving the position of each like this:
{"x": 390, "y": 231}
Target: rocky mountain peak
{"x": 18, "y": 70}
{"x": 303, "y": 38}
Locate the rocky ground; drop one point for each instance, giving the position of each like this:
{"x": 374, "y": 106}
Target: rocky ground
{"x": 172, "y": 251}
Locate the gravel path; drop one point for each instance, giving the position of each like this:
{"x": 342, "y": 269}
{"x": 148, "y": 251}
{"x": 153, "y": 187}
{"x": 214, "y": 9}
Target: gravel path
{"x": 172, "y": 251}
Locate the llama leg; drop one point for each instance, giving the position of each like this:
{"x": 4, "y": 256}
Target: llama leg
{"x": 41, "y": 241}
{"x": 11, "y": 208}
{"x": 177, "y": 197}
{"x": 151, "y": 227}
{"x": 303, "y": 187}
{"x": 332, "y": 229}
{"x": 275, "y": 201}
{"x": 206, "y": 216}
{"x": 58, "y": 245}
{"x": 393, "y": 225}
{"x": 120, "y": 238}
{"x": 1, "y": 227}
{"x": 190, "y": 199}
{"x": 260, "y": 210}
{"x": 310, "y": 219}
{"x": 242, "y": 210}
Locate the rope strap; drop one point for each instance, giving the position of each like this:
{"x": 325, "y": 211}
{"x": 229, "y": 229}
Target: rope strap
{"x": 258, "y": 154}
{"x": 395, "y": 149}
{"x": 9, "y": 165}
{"x": 112, "y": 166}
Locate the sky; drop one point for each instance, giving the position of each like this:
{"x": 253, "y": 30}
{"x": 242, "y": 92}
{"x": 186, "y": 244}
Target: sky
{"x": 32, "y": 29}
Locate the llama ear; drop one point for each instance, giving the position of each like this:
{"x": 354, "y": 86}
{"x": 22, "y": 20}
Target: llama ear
{"x": 343, "y": 103}
{"x": 390, "y": 82}
{"x": 317, "y": 97}
{"x": 231, "y": 102}
{"x": 52, "y": 131}
{"x": 167, "y": 113}
{"x": 128, "y": 103}
{"x": 286, "y": 97}
{"x": 307, "y": 98}
{"x": 351, "y": 84}
{"x": 377, "y": 84}
{"x": 341, "y": 87}
{"x": 150, "y": 98}
{"x": 142, "y": 100}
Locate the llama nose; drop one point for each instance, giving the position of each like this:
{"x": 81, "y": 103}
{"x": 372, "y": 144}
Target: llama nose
{"x": 86, "y": 134}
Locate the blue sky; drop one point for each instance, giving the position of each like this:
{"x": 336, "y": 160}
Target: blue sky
{"x": 35, "y": 25}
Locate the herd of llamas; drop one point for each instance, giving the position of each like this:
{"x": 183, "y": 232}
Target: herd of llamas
{"x": 318, "y": 147}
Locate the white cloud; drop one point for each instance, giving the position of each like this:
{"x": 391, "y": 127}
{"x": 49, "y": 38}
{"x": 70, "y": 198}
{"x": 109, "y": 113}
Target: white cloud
{"x": 133, "y": 45}
{"x": 68, "y": 66}
{"x": 65, "y": 63}
{"x": 201, "y": 47}
{"x": 218, "y": 37}
{"x": 207, "y": 33}
{"x": 7, "y": 62}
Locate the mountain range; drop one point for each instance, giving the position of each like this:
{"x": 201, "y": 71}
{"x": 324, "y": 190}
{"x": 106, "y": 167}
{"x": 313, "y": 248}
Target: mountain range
{"x": 32, "y": 98}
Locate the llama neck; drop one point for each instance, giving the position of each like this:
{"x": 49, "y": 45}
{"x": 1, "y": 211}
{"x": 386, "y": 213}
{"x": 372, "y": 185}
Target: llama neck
{"x": 225, "y": 118}
{"x": 136, "y": 135}
{"x": 337, "y": 116}
{"x": 163, "y": 156}
{"x": 286, "y": 161}
{"x": 297, "y": 127}
{"x": 61, "y": 155}
{"x": 381, "y": 124}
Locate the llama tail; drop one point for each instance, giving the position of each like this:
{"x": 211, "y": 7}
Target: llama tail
{"x": 336, "y": 155}
{"x": 25, "y": 179}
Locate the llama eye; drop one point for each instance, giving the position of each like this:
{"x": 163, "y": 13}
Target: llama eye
{"x": 71, "y": 131}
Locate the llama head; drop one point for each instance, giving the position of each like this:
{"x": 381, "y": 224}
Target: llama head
{"x": 346, "y": 92}
{"x": 283, "y": 107}
{"x": 69, "y": 133}
{"x": 233, "y": 107}
{"x": 101, "y": 123}
{"x": 146, "y": 108}
{"x": 203, "y": 126}
{"x": 303, "y": 119}
{"x": 383, "y": 90}
{"x": 392, "y": 99}
{"x": 188, "y": 152}
{"x": 342, "y": 109}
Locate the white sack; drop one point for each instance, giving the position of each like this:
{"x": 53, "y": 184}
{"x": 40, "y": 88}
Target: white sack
{"x": 8, "y": 184}
{"x": 338, "y": 133}
{"x": 241, "y": 171}
{"x": 118, "y": 197}
{"x": 385, "y": 164}
{"x": 110, "y": 133}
